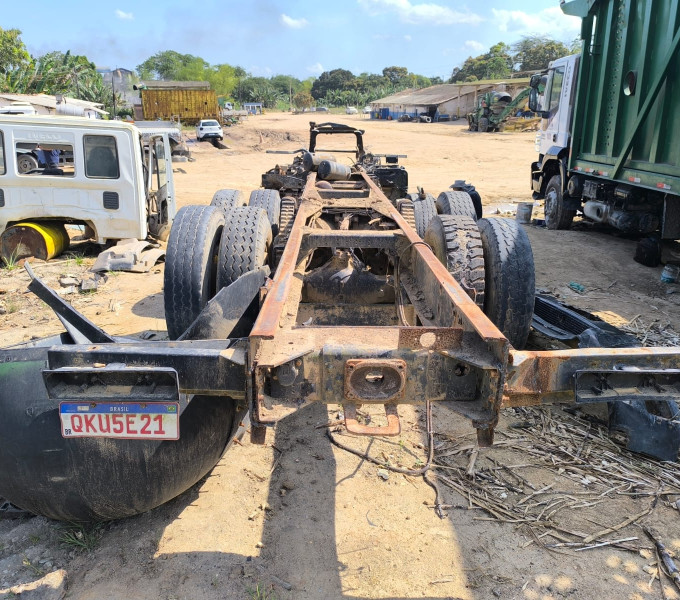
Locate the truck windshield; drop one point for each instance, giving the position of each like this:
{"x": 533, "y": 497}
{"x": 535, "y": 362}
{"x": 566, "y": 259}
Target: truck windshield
{"x": 556, "y": 89}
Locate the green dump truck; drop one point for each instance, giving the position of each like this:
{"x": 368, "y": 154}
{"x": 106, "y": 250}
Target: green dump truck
{"x": 611, "y": 119}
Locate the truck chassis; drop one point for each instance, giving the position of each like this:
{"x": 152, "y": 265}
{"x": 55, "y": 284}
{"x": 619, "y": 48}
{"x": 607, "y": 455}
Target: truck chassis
{"x": 410, "y": 333}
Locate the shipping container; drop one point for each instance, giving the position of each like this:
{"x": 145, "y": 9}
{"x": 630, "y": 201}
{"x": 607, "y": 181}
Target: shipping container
{"x": 189, "y": 105}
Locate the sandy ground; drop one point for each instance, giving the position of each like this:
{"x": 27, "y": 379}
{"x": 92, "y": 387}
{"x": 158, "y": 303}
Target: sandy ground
{"x": 301, "y": 519}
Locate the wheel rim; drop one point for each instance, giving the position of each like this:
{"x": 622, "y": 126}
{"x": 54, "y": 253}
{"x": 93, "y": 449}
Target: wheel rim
{"x": 25, "y": 164}
{"x": 550, "y": 204}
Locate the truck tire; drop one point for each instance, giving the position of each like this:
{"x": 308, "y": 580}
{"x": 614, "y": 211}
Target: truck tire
{"x": 26, "y": 163}
{"x": 456, "y": 242}
{"x": 225, "y": 200}
{"x": 96, "y": 479}
{"x": 509, "y": 281}
{"x": 425, "y": 210}
{"x": 483, "y": 124}
{"x": 245, "y": 244}
{"x": 456, "y": 203}
{"x": 405, "y": 208}
{"x": 190, "y": 265}
{"x": 557, "y": 216}
{"x": 270, "y": 201}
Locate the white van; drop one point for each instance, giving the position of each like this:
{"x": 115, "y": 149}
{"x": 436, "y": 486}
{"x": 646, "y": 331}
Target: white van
{"x": 97, "y": 173}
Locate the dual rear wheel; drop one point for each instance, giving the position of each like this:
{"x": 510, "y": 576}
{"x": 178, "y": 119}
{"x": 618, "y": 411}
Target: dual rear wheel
{"x": 212, "y": 246}
{"x": 492, "y": 261}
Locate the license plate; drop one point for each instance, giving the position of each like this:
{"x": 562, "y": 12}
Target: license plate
{"x": 125, "y": 420}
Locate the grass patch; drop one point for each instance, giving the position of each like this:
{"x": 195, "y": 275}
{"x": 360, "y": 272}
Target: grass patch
{"x": 83, "y": 538}
{"x": 11, "y": 261}
{"x": 261, "y": 592}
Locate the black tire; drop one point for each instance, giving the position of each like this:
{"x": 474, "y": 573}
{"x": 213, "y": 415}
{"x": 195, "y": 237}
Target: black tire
{"x": 425, "y": 210}
{"x": 26, "y": 163}
{"x": 246, "y": 241}
{"x": 557, "y": 216}
{"x": 405, "y": 207}
{"x": 270, "y": 201}
{"x": 191, "y": 265}
{"x": 456, "y": 203}
{"x": 509, "y": 282}
{"x": 70, "y": 478}
{"x": 483, "y": 124}
{"x": 456, "y": 242}
{"x": 226, "y": 200}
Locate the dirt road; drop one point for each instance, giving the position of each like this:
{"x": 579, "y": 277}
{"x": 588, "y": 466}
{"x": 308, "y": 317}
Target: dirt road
{"x": 302, "y": 519}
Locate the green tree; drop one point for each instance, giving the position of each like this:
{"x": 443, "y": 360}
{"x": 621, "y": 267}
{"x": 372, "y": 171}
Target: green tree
{"x": 337, "y": 79}
{"x": 223, "y": 79}
{"x": 495, "y": 64}
{"x": 303, "y": 99}
{"x": 395, "y": 75}
{"x": 533, "y": 53}
{"x": 168, "y": 65}
{"x": 13, "y": 53}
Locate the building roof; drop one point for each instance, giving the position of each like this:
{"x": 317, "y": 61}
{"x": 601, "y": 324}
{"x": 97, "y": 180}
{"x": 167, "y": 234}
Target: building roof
{"x": 438, "y": 94}
{"x": 50, "y": 101}
{"x": 155, "y": 84}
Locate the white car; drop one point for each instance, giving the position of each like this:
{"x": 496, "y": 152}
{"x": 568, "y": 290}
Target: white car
{"x": 208, "y": 128}
{"x": 366, "y": 110}
{"x": 351, "y": 110}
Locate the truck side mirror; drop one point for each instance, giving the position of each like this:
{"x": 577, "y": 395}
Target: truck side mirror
{"x": 533, "y": 99}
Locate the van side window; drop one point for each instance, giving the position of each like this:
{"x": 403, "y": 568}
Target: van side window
{"x": 47, "y": 158}
{"x": 2, "y": 154}
{"x": 101, "y": 157}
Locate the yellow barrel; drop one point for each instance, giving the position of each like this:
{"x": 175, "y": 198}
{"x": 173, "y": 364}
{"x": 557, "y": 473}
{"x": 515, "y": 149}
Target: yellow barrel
{"x": 43, "y": 240}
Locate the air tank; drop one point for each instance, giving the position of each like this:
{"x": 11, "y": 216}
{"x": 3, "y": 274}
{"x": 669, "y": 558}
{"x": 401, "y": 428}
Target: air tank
{"x": 334, "y": 171}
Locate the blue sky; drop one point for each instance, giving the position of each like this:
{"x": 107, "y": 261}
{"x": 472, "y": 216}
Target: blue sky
{"x": 300, "y": 38}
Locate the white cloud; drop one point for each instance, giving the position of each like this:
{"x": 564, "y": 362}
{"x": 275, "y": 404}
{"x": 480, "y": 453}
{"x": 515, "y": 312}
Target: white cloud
{"x": 316, "y": 68}
{"x": 293, "y": 23}
{"x": 407, "y": 38}
{"x": 474, "y": 45}
{"x": 124, "y": 16}
{"x": 420, "y": 14}
{"x": 550, "y": 21}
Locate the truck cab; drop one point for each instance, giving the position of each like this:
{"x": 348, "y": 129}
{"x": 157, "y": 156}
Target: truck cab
{"x": 552, "y": 96}
{"x": 101, "y": 174}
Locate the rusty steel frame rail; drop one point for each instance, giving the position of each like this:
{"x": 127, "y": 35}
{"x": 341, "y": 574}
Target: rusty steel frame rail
{"x": 458, "y": 355}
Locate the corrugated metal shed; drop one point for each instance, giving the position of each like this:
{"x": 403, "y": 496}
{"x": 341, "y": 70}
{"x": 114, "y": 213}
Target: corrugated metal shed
{"x": 439, "y": 94}
{"x": 48, "y": 103}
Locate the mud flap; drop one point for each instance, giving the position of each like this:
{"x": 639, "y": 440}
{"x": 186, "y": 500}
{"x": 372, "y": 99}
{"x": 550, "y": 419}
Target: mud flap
{"x": 648, "y": 425}
{"x": 646, "y": 433}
